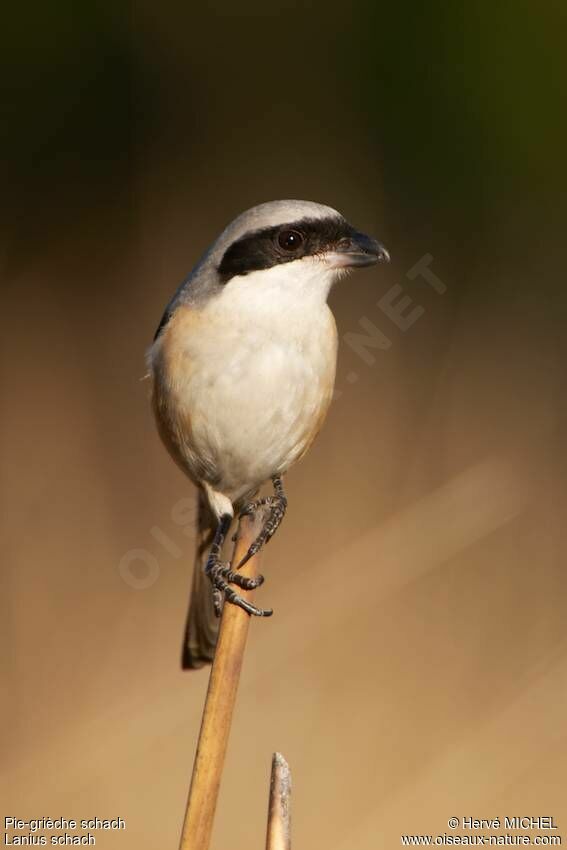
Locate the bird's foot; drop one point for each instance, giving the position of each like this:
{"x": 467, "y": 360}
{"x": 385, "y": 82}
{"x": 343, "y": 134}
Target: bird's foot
{"x": 277, "y": 505}
{"x": 222, "y": 576}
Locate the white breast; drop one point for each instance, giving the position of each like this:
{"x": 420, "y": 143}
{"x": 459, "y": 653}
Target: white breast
{"x": 253, "y": 376}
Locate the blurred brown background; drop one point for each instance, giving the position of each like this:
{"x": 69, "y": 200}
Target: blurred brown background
{"x": 416, "y": 667}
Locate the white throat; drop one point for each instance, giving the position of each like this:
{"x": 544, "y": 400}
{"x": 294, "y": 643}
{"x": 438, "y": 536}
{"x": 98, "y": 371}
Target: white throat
{"x": 302, "y": 285}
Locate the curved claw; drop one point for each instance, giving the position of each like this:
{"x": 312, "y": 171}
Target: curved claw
{"x": 232, "y": 596}
{"x": 277, "y": 504}
{"x": 258, "y": 581}
{"x": 265, "y": 535}
{"x": 250, "y": 554}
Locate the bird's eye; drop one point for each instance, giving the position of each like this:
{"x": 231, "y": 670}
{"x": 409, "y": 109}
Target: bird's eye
{"x": 290, "y": 240}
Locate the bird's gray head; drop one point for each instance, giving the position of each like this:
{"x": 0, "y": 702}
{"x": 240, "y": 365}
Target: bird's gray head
{"x": 303, "y": 236}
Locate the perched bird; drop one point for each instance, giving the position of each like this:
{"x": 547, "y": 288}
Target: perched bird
{"x": 243, "y": 369}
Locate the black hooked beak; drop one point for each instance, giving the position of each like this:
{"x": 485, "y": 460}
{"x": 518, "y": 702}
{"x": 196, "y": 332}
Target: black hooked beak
{"x": 356, "y": 251}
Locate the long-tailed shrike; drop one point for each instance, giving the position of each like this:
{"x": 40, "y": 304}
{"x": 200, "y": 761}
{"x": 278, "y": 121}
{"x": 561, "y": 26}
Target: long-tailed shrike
{"x": 243, "y": 368}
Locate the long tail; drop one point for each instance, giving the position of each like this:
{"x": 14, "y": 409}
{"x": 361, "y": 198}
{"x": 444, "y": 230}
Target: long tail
{"x": 202, "y": 626}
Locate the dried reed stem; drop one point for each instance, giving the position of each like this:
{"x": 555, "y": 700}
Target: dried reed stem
{"x": 219, "y": 704}
{"x": 279, "y": 809}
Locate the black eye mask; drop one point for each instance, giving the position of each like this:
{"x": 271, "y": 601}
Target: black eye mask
{"x": 271, "y": 246}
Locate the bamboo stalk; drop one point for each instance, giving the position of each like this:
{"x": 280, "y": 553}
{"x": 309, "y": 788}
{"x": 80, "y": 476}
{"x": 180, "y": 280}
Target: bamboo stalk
{"x": 278, "y": 836}
{"x": 219, "y": 704}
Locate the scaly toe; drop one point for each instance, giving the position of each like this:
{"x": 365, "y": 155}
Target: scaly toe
{"x": 233, "y": 597}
